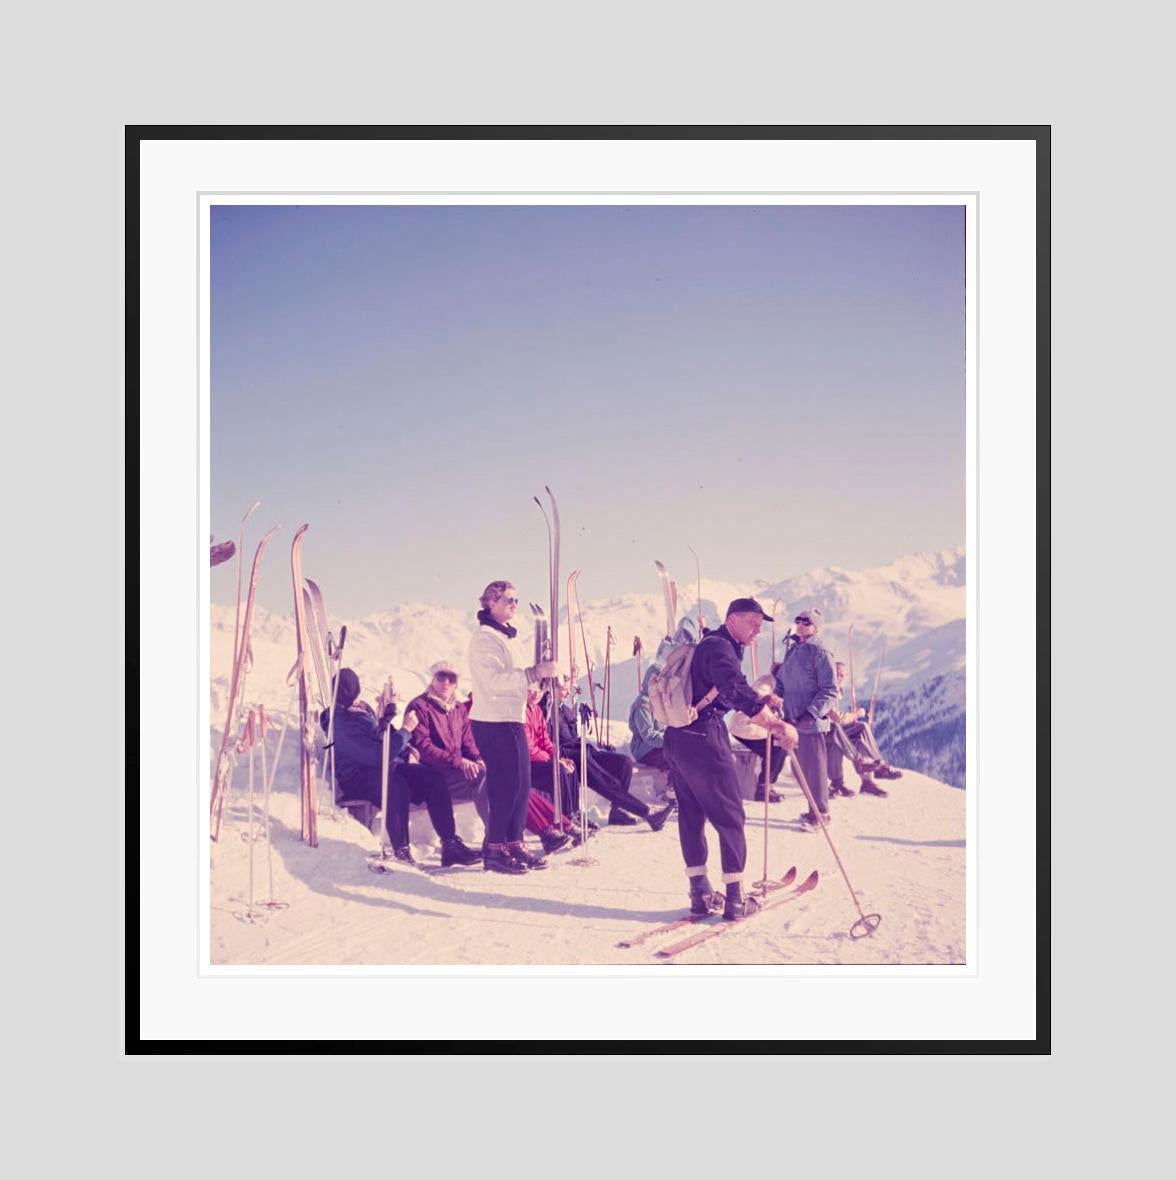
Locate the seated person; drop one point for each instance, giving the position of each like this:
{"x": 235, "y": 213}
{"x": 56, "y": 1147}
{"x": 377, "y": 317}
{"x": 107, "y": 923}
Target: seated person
{"x": 358, "y": 742}
{"x": 609, "y": 773}
{"x": 852, "y": 737}
{"x": 755, "y": 738}
{"x": 542, "y": 776}
{"x": 445, "y": 740}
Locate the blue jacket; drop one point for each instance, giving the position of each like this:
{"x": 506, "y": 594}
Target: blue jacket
{"x": 807, "y": 683}
{"x": 647, "y": 733}
{"x": 359, "y": 740}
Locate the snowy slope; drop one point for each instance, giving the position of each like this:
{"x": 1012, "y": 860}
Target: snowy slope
{"x": 904, "y": 854}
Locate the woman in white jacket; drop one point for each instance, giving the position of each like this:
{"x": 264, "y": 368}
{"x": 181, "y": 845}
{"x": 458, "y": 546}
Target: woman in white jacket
{"x": 498, "y": 719}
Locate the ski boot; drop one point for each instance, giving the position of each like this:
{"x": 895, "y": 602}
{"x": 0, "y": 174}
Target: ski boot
{"x": 497, "y": 859}
{"x": 703, "y": 899}
{"x": 736, "y": 907}
{"x": 529, "y": 860}
{"x": 553, "y": 840}
{"x": 620, "y": 818}
{"x": 454, "y": 852}
{"x": 869, "y": 787}
{"x": 657, "y": 819}
{"x": 837, "y": 788}
{"x": 774, "y": 796}
{"x": 404, "y": 855}
{"x": 884, "y": 771}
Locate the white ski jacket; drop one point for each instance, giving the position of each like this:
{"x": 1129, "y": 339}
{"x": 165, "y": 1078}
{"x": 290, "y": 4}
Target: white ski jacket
{"x": 499, "y": 688}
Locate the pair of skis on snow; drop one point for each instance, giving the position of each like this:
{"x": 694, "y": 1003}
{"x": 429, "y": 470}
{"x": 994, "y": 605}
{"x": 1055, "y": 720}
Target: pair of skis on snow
{"x": 713, "y": 925}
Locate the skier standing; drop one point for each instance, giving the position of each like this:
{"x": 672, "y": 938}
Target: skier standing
{"x": 701, "y": 758}
{"x": 807, "y": 682}
{"x": 498, "y": 717}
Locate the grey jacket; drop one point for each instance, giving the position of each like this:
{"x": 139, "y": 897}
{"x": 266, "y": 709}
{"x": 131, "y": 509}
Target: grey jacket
{"x": 647, "y": 733}
{"x": 807, "y": 682}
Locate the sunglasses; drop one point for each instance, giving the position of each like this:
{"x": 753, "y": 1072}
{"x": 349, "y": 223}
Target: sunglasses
{"x": 450, "y": 676}
{"x": 510, "y": 601}
{"x": 803, "y": 621}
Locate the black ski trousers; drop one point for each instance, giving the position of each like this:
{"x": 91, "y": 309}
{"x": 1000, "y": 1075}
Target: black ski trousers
{"x": 609, "y": 774}
{"x": 404, "y": 788}
{"x": 503, "y": 745}
{"x": 708, "y": 789}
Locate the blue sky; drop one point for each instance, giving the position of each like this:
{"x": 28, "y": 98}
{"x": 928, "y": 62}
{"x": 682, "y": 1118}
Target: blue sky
{"x": 781, "y": 387}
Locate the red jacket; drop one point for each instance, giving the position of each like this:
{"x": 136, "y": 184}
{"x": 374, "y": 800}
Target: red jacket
{"x": 538, "y": 737}
{"x": 443, "y": 735}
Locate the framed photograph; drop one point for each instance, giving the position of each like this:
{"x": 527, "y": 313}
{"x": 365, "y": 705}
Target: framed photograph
{"x": 574, "y": 553}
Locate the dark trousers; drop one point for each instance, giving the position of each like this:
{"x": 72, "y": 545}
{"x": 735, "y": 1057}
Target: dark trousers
{"x": 708, "y": 789}
{"x": 569, "y": 794}
{"x": 609, "y": 774}
{"x": 655, "y": 758}
{"x": 406, "y": 785}
{"x": 759, "y": 746}
{"x": 503, "y": 745}
{"x": 437, "y": 787}
{"x": 810, "y": 753}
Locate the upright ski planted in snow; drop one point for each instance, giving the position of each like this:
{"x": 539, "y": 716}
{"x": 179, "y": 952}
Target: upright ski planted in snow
{"x": 306, "y": 757}
{"x": 553, "y": 587}
{"x": 667, "y": 594}
{"x": 224, "y": 760}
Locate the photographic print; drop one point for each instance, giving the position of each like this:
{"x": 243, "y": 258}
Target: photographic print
{"x": 587, "y": 580}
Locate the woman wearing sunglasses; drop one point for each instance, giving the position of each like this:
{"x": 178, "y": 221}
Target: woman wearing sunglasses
{"x": 498, "y": 718}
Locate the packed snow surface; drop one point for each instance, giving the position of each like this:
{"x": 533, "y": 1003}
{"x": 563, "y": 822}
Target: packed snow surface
{"x": 904, "y": 855}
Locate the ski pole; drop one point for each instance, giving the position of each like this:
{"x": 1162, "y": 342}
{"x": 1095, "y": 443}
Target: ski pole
{"x": 877, "y": 677}
{"x": 762, "y": 885}
{"x": 637, "y": 655}
{"x": 852, "y": 685}
{"x": 584, "y": 860}
{"x": 240, "y": 558}
{"x": 866, "y": 923}
{"x": 609, "y": 641}
{"x": 271, "y": 903}
{"x": 330, "y": 748}
{"x": 377, "y": 860}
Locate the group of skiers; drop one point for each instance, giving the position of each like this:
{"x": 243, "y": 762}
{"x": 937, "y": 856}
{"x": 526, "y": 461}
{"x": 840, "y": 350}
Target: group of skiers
{"x": 495, "y": 747}
{"x": 795, "y": 707}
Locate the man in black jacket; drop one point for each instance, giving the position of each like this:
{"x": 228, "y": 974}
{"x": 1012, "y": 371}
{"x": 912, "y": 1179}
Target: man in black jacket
{"x": 700, "y": 754}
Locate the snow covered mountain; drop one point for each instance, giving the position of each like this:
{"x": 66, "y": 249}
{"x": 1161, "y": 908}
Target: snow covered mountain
{"x": 916, "y": 603}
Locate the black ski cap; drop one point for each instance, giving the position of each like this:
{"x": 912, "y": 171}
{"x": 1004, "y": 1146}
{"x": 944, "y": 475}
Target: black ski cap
{"x": 348, "y": 688}
{"x": 742, "y": 605}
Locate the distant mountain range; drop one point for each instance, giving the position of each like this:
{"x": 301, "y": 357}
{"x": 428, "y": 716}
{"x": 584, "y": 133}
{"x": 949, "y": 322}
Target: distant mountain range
{"x": 916, "y": 602}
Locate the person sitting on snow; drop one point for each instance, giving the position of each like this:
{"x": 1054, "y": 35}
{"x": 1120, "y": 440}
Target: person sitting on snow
{"x": 358, "y": 742}
{"x": 852, "y": 737}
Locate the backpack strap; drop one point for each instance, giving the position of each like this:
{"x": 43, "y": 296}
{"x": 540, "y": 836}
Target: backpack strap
{"x": 706, "y": 700}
